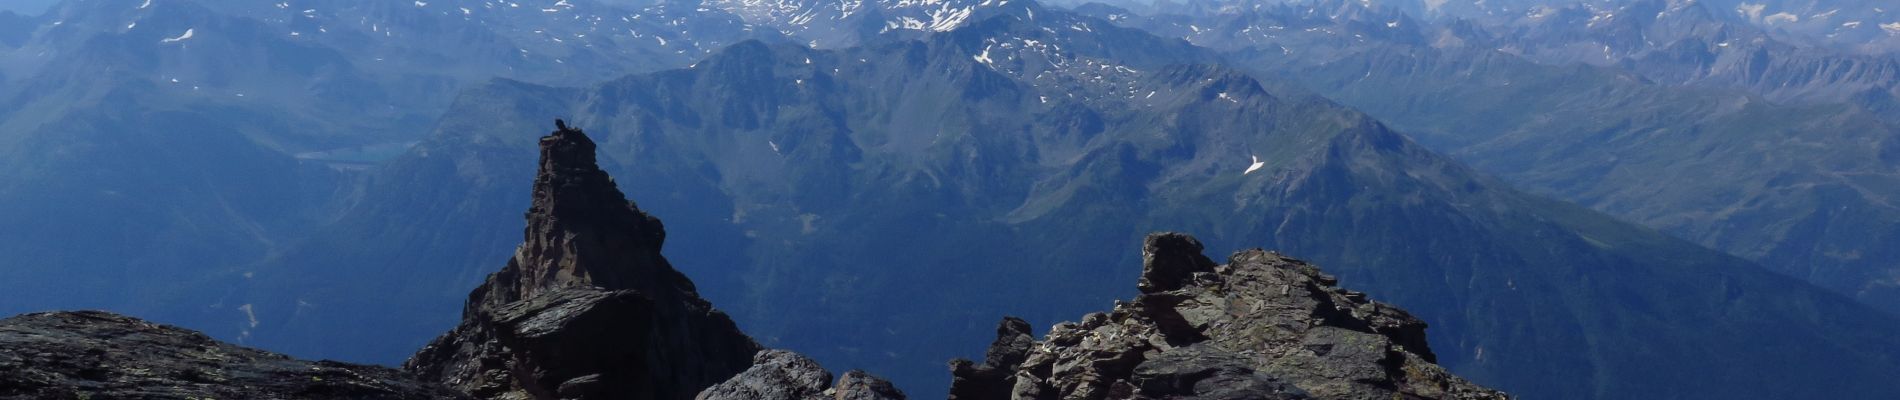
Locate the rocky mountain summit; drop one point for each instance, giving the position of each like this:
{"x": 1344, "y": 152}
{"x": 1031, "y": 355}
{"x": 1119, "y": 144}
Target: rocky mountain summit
{"x": 1261, "y": 326}
{"x": 588, "y": 308}
{"x": 92, "y": 354}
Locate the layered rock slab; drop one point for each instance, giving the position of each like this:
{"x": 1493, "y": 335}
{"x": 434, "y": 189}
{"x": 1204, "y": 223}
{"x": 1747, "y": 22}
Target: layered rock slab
{"x": 1261, "y": 326}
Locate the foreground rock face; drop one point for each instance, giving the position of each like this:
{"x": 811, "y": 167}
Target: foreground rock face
{"x": 587, "y": 308}
{"x": 1261, "y": 326}
{"x": 90, "y": 354}
{"x": 784, "y": 375}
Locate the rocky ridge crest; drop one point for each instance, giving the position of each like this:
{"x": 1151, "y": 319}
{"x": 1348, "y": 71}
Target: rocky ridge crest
{"x": 1261, "y": 326}
{"x": 93, "y": 354}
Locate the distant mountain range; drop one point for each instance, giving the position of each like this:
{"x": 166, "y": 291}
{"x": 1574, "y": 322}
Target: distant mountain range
{"x": 992, "y": 143}
{"x": 1863, "y": 26}
{"x": 189, "y": 140}
{"x": 1706, "y": 129}
{"x": 873, "y": 184}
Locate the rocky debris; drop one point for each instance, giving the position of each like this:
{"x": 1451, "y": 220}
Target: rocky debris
{"x": 99, "y": 355}
{"x": 587, "y": 308}
{"x": 784, "y": 375}
{"x": 1261, "y": 326}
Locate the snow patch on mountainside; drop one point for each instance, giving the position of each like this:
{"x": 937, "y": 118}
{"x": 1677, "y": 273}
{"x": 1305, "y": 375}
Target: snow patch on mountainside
{"x": 189, "y": 32}
{"x": 946, "y": 18}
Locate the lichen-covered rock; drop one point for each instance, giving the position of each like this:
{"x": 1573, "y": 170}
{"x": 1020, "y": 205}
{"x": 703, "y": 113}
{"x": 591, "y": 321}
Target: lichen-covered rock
{"x": 587, "y": 308}
{"x": 1261, "y": 326}
{"x": 98, "y": 355}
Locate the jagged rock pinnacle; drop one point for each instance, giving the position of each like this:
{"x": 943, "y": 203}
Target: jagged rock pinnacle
{"x": 587, "y": 308}
{"x": 582, "y": 231}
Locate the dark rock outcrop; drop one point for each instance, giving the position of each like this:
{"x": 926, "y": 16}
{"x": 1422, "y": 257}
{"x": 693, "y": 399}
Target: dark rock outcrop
{"x": 994, "y": 378}
{"x": 91, "y": 354}
{"x": 1261, "y": 326}
{"x": 775, "y": 375}
{"x": 784, "y": 375}
{"x": 587, "y": 308}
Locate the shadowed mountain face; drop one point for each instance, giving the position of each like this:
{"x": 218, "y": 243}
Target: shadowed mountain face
{"x": 153, "y": 155}
{"x": 1010, "y": 164}
{"x": 299, "y": 98}
{"x": 1725, "y": 169}
{"x": 1711, "y": 131}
